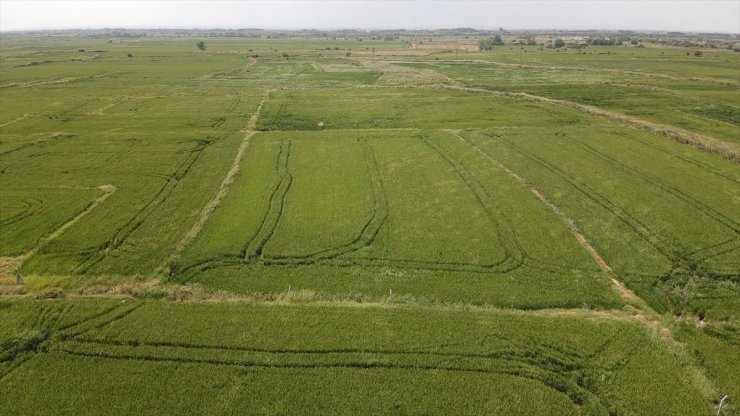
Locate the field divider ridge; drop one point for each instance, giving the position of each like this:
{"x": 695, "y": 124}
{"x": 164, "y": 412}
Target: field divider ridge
{"x": 224, "y": 188}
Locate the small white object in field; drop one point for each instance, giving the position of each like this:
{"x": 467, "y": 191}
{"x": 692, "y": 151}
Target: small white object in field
{"x": 721, "y": 402}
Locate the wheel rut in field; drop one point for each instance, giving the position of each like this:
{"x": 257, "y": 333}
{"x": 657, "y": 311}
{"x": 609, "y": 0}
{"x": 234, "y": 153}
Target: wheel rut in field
{"x": 369, "y": 230}
{"x": 512, "y": 260}
{"x": 665, "y": 248}
{"x": 253, "y": 250}
{"x": 230, "y": 73}
{"x": 48, "y": 332}
{"x": 728, "y": 222}
{"x": 54, "y": 81}
{"x": 35, "y": 142}
{"x": 228, "y": 180}
{"x": 514, "y": 253}
{"x": 708, "y": 211}
{"x": 555, "y": 366}
{"x": 623, "y": 291}
{"x": 255, "y": 247}
{"x": 31, "y": 206}
{"x": 10, "y": 264}
{"x": 122, "y": 233}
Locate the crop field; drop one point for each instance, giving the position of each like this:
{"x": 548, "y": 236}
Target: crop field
{"x": 470, "y": 360}
{"x": 339, "y": 226}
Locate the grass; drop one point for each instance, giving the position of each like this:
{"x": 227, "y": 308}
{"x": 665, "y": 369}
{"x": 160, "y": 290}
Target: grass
{"x": 278, "y": 226}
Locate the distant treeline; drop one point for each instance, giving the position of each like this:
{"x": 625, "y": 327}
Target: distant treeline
{"x": 589, "y": 37}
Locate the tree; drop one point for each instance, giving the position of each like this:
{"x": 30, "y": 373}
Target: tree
{"x": 559, "y": 43}
{"x": 488, "y": 43}
{"x": 201, "y": 45}
{"x": 485, "y": 44}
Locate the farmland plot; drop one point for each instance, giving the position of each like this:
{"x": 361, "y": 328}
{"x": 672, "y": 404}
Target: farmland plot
{"x": 154, "y": 145}
{"x": 638, "y": 214}
{"x": 247, "y": 228}
{"x": 404, "y": 202}
{"x": 697, "y": 104}
{"x": 284, "y": 358}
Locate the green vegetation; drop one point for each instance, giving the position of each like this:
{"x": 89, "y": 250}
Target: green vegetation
{"x": 358, "y": 226}
{"x": 472, "y": 359}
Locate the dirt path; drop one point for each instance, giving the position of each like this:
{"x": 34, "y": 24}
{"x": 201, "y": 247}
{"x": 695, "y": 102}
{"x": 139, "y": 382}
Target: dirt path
{"x": 398, "y": 75}
{"x": 101, "y": 111}
{"x": 53, "y": 81}
{"x": 23, "y": 117}
{"x": 208, "y": 209}
{"x": 9, "y": 264}
{"x": 730, "y": 151}
{"x": 252, "y": 62}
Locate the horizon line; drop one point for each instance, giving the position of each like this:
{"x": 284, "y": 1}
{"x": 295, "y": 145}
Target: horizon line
{"x": 296, "y": 29}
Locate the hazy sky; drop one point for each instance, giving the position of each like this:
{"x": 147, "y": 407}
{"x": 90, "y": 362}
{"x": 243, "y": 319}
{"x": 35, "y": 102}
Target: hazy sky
{"x": 686, "y": 15}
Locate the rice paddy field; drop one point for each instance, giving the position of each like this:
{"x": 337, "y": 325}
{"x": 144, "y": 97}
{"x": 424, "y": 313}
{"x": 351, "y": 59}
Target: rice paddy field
{"x": 318, "y": 226}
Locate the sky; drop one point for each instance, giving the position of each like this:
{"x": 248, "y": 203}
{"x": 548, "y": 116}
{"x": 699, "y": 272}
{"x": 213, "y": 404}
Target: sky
{"x": 678, "y": 15}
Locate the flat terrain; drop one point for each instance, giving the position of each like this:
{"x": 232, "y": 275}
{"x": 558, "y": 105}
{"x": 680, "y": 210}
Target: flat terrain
{"x": 344, "y": 227}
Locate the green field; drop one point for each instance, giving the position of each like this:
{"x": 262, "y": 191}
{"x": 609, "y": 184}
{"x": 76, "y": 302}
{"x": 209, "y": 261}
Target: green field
{"x": 325, "y": 226}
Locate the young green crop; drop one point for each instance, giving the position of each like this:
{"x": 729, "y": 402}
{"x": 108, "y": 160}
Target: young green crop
{"x": 264, "y": 356}
{"x": 312, "y": 176}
